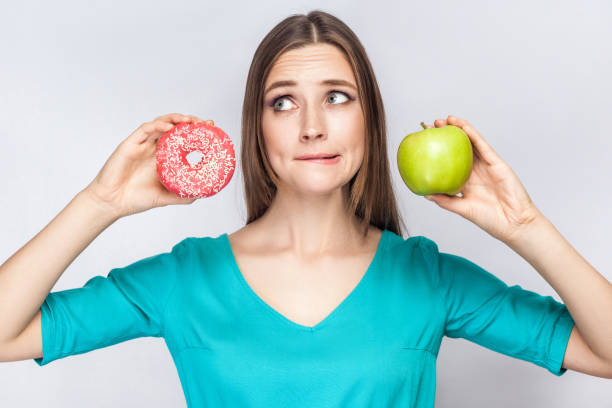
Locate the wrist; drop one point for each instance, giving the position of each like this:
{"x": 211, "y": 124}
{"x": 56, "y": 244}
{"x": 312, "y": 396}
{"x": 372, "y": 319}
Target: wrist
{"x": 523, "y": 233}
{"x": 96, "y": 202}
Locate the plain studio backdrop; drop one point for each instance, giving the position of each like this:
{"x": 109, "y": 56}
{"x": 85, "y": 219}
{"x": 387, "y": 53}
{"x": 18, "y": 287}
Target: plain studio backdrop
{"x": 76, "y": 79}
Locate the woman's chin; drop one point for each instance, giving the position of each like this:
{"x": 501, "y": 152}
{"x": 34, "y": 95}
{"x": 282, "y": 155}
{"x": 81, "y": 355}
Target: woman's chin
{"x": 310, "y": 184}
{"x": 318, "y": 189}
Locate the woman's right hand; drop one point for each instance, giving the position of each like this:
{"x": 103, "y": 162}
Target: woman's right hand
{"x": 127, "y": 183}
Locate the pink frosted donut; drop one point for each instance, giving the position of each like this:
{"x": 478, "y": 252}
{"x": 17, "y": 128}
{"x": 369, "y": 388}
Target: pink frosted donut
{"x": 205, "y": 178}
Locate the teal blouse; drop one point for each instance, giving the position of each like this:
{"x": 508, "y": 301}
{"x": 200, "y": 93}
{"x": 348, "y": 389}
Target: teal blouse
{"x": 377, "y": 348}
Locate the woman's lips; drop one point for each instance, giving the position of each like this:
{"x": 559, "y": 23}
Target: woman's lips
{"x": 333, "y": 160}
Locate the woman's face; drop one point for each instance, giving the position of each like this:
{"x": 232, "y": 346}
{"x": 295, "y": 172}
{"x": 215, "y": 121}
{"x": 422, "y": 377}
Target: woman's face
{"x": 311, "y": 117}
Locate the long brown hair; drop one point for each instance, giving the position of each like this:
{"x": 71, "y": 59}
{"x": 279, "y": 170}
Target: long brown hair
{"x": 370, "y": 193}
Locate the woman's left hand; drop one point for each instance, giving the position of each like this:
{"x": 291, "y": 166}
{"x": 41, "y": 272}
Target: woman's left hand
{"x": 493, "y": 197}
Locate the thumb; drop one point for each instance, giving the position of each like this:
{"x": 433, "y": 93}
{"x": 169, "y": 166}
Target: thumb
{"x": 455, "y": 204}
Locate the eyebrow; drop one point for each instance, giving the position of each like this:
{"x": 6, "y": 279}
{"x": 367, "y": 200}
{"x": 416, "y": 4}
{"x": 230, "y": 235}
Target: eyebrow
{"x": 278, "y": 84}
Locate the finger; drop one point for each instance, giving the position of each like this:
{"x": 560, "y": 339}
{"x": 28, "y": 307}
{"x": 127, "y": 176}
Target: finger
{"x": 196, "y": 119}
{"x": 173, "y": 118}
{"x": 440, "y": 122}
{"x": 150, "y": 131}
{"x": 167, "y": 122}
{"x": 485, "y": 151}
{"x": 209, "y": 122}
{"x": 426, "y": 126}
{"x": 455, "y": 203}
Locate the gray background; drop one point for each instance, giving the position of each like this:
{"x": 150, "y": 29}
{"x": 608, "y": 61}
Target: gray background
{"x": 76, "y": 79}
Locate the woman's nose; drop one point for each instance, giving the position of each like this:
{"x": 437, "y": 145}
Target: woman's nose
{"x": 311, "y": 133}
{"x": 313, "y": 126}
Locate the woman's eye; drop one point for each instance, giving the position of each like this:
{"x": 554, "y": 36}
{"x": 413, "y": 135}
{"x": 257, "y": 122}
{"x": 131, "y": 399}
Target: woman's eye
{"x": 339, "y": 93}
{"x": 278, "y": 101}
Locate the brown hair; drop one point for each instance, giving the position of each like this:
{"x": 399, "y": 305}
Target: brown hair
{"x": 370, "y": 192}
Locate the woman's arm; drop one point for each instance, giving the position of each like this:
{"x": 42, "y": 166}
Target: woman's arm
{"x": 127, "y": 184}
{"x": 27, "y": 277}
{"x": 495, "y": 200}
{"x": 585, "y": 292}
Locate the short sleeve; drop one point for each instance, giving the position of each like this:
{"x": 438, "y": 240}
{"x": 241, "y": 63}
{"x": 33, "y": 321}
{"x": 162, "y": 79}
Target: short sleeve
{"x": 508, "y": 319}
{"x": 128, "y": 303}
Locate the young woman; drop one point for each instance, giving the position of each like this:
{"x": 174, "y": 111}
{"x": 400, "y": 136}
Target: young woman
{"x": 318, "y": 300}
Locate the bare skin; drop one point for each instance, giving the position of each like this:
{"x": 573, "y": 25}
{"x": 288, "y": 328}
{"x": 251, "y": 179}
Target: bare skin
{"x": 127, "y": 184}
{"x": 305, "y": 233}
{"x": 306, "y": 253}
{"x": 304, "y": 290}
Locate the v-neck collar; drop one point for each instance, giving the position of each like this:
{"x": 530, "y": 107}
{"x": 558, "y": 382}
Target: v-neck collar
{"x": 332, "y": 314}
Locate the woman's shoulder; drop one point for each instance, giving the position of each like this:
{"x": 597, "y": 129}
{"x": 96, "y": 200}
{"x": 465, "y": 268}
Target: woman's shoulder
{"x": 204, "y": 244}
{"x": 410, "y": 240}
{"x": 399, "y": 245}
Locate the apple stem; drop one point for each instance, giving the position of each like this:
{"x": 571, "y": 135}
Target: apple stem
{"x": 423, "y": 124}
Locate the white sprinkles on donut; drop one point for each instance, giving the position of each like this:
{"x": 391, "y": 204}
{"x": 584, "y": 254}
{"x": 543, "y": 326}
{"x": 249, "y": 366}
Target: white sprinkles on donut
{"x": 205, "y": 178}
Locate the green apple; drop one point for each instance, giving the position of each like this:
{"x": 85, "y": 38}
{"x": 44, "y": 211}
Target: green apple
{"x": 435, "y": 160}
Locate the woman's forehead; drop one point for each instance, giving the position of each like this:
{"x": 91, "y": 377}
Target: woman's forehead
{"x": 311, "y": 65}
